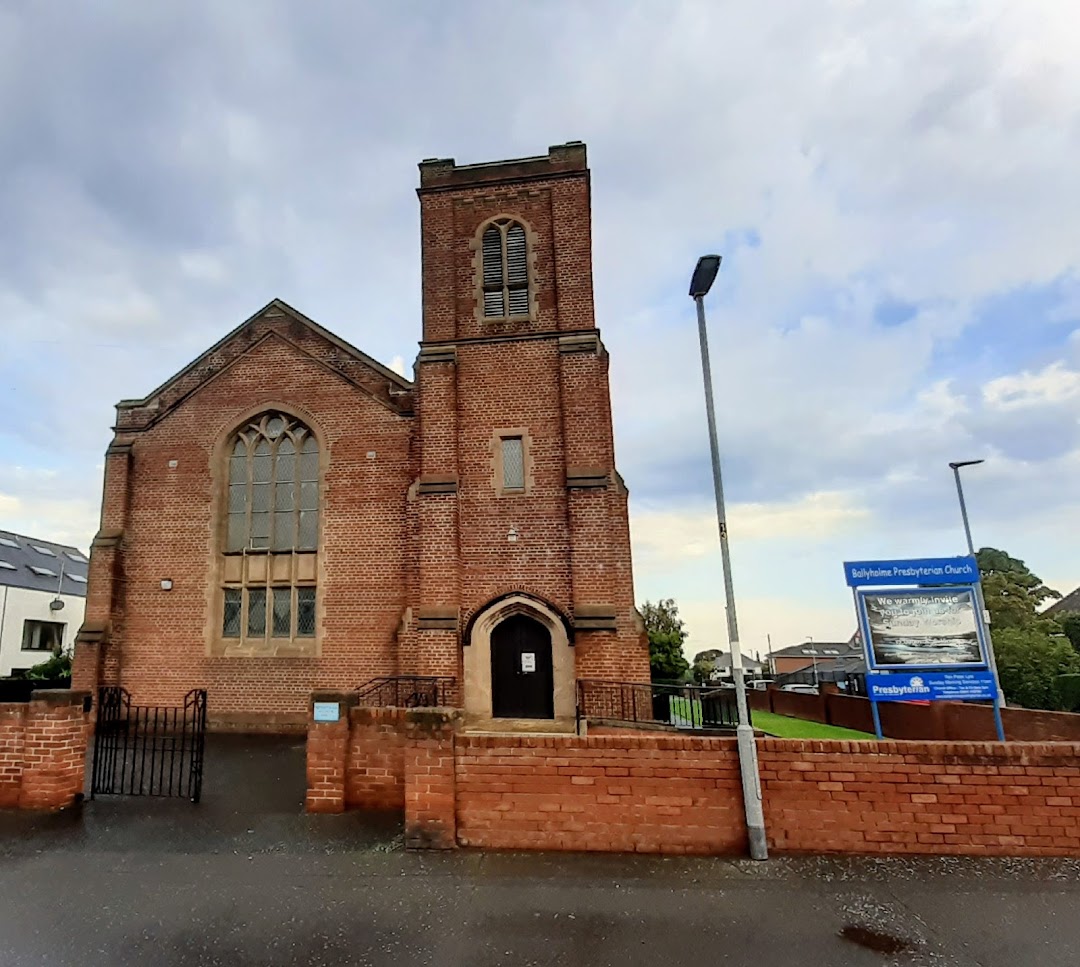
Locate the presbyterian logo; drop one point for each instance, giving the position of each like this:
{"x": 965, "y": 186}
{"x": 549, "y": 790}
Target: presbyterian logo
{"x": 914, "y": 686}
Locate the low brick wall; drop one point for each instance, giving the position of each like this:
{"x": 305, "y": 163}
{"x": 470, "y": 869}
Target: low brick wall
{"x": 375, "y": 764}
{"x": 944, "y": 721}
{"x": 386, "y": 758}
{"x": 43, "y": 751}
{"x": 657, "y": 793}
{"x": 922, "y": 797}
{"x": 643, "y": 793}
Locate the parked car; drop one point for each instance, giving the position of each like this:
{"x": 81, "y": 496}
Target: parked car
{"x": 801, "y": 689}
{"x": 759, "y": 683}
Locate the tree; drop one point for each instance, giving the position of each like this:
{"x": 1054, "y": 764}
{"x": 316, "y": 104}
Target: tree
{"x": 1030, "y": 662}
{"x": 704, "y": 665}
{"x": 663, "y": 617}
{"x": 1070, "y": 624}
{"x": 1013, "y": 594}
{"x": 666, "y": 636}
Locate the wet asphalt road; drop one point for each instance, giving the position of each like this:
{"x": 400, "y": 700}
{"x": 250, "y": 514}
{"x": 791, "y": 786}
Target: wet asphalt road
{"x": 244, "y": 878}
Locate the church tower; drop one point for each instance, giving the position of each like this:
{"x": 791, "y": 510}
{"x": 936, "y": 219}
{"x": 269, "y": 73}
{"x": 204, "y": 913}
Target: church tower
{"x": 522, "y": 580}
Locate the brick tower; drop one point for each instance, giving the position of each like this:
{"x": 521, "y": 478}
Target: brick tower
{"x": 519, "y": 516}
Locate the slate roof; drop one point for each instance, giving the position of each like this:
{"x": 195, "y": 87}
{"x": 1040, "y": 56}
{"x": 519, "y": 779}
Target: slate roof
{"x": 1070, "y": 604}
{"x": 816, "y": 649}
{"x": 18, "y": 554}
{"x": 723, "y": 662}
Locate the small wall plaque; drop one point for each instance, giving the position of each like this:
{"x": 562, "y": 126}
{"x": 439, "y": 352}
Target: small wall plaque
{"x": 528, "y": 661}
{"x": 327, "y": 711}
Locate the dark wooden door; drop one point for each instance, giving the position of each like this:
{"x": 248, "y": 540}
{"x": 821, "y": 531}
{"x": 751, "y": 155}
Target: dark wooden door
{"x": 522, "y": 683}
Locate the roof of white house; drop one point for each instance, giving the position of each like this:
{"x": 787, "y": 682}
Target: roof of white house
{"x": 723, "y": 661}
{"x": 37, "y": 565}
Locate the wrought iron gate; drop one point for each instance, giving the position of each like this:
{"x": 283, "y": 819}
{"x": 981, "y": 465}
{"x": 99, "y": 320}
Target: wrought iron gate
{"x": 148, "y": 750}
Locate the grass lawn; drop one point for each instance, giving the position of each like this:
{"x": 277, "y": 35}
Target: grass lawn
{"x": 785, "y": 727}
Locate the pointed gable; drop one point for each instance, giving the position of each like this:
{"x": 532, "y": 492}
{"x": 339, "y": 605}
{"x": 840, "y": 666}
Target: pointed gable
{"x": 275, "y": 320}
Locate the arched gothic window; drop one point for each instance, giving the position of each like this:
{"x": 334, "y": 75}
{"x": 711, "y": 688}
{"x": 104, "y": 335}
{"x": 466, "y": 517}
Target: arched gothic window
{"x": 274, "y": 487}
{"x": 505, "y": 261}
{"x": 271, "y": 531}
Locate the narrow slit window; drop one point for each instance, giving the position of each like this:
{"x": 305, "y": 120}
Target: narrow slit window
{"x": 230, "y": 626}
{"x": 305, "y": 612}
{"x": 256, "y": 613}
{"x": 282, "y": 612}
{"x": 513, "y": 463}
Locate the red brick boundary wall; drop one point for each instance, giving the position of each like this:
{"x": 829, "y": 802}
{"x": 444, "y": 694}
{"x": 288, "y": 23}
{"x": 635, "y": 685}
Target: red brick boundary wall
{"x": 922, "y": 797}
{"x": 658, "y": 793}
{"x": 946, "y": 721}
{"x": 43, "y": 751}
{"x": 386, "y": 758}
{"x": 642, "y": 793}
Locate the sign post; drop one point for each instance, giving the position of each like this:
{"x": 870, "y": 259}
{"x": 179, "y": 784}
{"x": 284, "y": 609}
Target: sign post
{"x": 923, "y": 631}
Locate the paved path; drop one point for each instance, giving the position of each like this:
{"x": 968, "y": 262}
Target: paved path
{"x": 246, "y": 879}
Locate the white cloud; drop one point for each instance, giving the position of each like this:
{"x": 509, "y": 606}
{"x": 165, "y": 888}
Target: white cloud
{"x": 64, "y": 521}
{"x": 840, "y": 154}
{"x": 1053, "y": 384}
{"x": 660, "y": 534}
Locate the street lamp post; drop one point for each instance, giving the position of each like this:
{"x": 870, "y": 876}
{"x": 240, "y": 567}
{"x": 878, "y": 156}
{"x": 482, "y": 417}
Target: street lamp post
{"x": 979, "y": 600}
{"x": 702, "y": 280}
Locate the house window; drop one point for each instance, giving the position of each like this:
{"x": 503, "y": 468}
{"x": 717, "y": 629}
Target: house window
{"x": 42, "y": 636}
{"x": 271, "y": 532}
{"x": 513, "y": 463}
{"x": 505, "y": 270}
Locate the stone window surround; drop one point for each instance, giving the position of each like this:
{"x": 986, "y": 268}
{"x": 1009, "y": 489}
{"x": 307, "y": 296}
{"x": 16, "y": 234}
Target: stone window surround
{"x": 477, "y": 656}
{"x": 309, "y": 573}
{"x": 477, "y": 247}
{"x": 498, "y": 435}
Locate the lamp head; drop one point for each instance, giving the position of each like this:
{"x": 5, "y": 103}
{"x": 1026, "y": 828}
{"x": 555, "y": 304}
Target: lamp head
{"x": 704, "y": 275}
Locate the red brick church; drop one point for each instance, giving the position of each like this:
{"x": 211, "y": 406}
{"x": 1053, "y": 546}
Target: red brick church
{"x": 286, "y": 514}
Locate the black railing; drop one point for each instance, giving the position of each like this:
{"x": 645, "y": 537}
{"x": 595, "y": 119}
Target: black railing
{"x": 407, "y": 691}
{"x": 148, "y": 750}
{"x": 21, "y": 689}
{"x": 692, "y": 708}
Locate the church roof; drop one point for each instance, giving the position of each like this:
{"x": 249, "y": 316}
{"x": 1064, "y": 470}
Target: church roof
{"x": 282, "y": 320}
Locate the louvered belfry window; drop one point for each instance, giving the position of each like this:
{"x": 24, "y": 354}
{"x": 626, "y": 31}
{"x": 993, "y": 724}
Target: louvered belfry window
{"x": 271, "y": 531}
{"x": 506, "y": 270}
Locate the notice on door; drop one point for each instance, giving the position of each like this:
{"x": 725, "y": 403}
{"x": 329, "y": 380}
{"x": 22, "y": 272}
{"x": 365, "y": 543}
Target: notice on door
{"x": 528, "y": 661}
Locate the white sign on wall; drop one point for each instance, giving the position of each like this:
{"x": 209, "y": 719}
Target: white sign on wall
{"x": 528, "y": 661}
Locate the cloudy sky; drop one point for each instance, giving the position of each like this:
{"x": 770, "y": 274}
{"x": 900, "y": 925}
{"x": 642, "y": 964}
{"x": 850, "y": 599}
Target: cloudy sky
{"x": 894, "y": 188}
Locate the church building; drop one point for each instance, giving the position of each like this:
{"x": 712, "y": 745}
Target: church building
{"x": 286, "y": 514}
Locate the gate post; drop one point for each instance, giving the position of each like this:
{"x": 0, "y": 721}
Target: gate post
{"x": 327, "y": 750}
{"x": 54, "y": 750}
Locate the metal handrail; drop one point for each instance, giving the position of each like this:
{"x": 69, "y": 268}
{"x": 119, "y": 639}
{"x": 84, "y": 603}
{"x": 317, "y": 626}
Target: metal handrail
{"x": 406, "y": 691}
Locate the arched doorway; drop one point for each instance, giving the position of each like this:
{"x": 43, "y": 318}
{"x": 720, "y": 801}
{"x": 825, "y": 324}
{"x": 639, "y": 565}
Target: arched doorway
{"x": 522, "y": 677}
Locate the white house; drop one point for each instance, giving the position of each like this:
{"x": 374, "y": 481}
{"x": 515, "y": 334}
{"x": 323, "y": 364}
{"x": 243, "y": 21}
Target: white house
{"x": 42, "y": 599}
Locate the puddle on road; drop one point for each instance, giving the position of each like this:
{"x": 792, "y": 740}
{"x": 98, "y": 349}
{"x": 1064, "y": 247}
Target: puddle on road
{"x": 882, "y": 943}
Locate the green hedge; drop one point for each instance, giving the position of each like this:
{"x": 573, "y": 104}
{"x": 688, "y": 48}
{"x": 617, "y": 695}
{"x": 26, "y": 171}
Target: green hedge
{"x": 1068, "y": 689}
